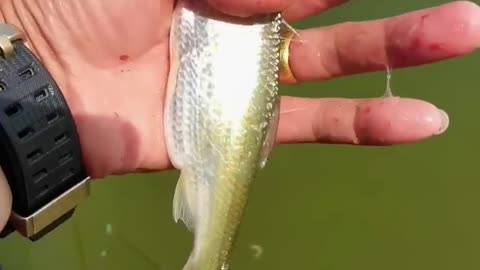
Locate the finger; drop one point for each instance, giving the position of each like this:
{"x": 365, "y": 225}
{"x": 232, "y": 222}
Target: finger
{"x": 381, "y": 121}
{"x": 412, "y": 39}
{"x": 5, "y": 200}
{"x": 250, "y": 7}
{"x": 307, "y": 8}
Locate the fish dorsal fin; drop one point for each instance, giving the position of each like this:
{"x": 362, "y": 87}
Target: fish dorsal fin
{"x": 184, "y": 201}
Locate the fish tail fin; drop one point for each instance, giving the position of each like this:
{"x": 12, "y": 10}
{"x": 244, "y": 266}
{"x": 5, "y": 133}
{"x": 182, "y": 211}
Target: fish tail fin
{"x": 184, "y": 200}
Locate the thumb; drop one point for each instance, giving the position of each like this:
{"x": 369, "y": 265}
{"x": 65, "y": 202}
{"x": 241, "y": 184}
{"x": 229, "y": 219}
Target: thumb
{"x": 250, "y": 7}
{"x": 5, "y": 200}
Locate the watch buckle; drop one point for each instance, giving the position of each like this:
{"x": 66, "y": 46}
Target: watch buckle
{"x": 8, "y": 35}
{"x": 53, "y": 213}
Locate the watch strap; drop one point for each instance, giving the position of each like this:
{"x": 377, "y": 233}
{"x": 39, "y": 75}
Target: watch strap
{"x": 40, "y": 151}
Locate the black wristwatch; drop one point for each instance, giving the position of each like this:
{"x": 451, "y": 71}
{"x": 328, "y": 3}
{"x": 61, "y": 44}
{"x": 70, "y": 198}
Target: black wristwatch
{"x": 39, "y": 146}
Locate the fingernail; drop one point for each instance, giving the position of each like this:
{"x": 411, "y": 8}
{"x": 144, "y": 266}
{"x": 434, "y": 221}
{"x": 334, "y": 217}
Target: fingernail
{"x": 445, "y": 122}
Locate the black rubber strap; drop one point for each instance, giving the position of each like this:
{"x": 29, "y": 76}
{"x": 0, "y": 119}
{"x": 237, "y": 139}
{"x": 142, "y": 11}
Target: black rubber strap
{"x": 39, "y": 147}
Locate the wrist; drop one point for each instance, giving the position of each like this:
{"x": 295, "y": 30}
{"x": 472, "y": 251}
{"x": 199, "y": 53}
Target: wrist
{"x": 41, "y": 155}
{"x": 18, "y": 14}
{"x": 110, "y": 140}
{"x": 116, "y": 101}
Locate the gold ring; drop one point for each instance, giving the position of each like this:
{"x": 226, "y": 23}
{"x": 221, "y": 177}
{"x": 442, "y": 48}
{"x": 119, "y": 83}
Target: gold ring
{"x": 285, "y": 72}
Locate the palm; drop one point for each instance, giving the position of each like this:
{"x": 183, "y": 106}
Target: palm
{"x": 114, "y": 73}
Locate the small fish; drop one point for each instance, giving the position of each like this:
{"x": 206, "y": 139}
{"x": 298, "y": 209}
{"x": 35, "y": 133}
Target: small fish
{"x": 221, "y": 118}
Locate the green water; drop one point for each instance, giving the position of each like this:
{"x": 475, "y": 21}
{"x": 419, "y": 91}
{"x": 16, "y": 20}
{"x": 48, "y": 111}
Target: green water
{"x": 316, "y": 206}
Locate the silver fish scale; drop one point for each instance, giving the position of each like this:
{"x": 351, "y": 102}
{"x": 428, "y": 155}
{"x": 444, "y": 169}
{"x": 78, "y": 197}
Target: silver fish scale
{"x": 220, "y": 120}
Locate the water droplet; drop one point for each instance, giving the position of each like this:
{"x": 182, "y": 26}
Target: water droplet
{"x": 108, "y": 229}
{"x": 257, "y": 250}
{"x": 103, "y": 253}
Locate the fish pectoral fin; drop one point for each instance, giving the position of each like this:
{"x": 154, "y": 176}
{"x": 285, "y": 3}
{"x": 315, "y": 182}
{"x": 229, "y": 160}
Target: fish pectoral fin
{"x": 184, "y": 201}
{"x": 271, "y": 135}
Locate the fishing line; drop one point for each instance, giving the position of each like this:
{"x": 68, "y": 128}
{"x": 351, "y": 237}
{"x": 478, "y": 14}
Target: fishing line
{"x": 388, "y": 90}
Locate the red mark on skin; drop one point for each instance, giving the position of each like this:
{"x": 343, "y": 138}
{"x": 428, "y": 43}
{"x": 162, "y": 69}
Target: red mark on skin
{"x": 124, "y": 57}
{"x": 415, "y": 43}
{"x": 404, "y": 55}
{"x": 434, "y": 47}
{"x": 439, "y": 47}
{"x": 367, "y": 109}
{"x": 424, "y": 17}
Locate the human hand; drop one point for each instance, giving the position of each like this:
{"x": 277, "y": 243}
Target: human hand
{"x": 110, "y": 58}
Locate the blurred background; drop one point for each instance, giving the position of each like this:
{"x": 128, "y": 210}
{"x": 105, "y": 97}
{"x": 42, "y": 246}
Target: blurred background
{"x": 315, "y": 206}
